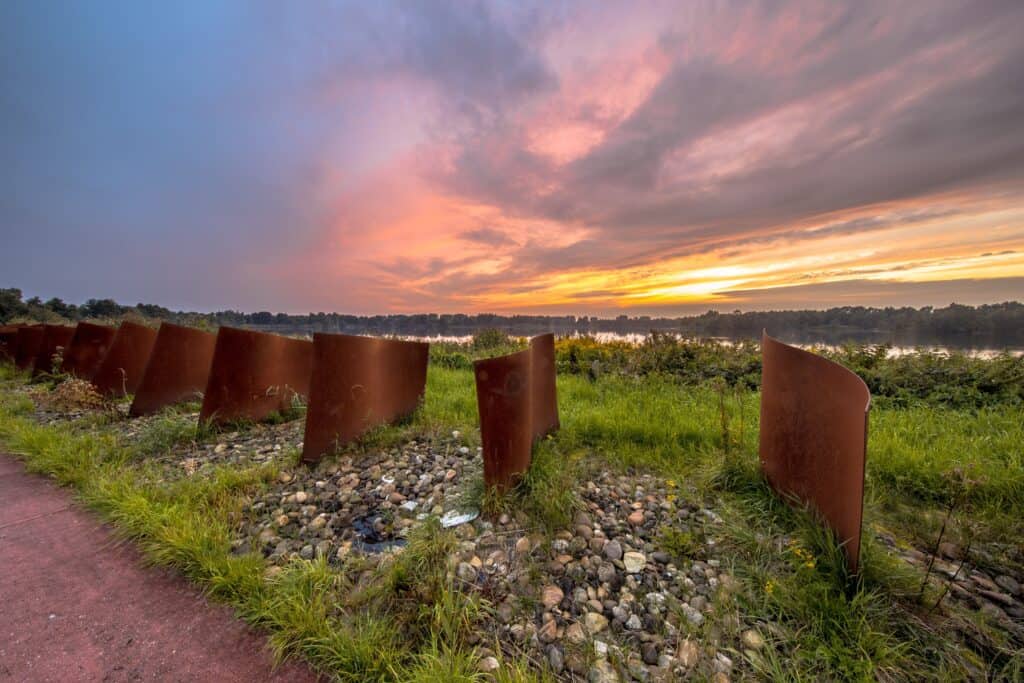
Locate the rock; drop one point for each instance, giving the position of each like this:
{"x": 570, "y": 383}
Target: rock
{"x": 551, "y": 595}
{"x": 649, "y": 651}
{"x": 692, "y": 615}
{"x": 613, "y": 550}
{"x": 752, "y": 639}
{"x": 996, "y": 596}
{"x": 720, "y": 677}
{"x": 950, "y": 551}
{"x": 220, "y": 448}
{"x": 1009, "y": 584}
{"x": 602, "y": 672}
{"x": 637, "y": 670}
{"x": 556, "y": 659}
{"x": 636, "y": 518}
{"x": 722, "y": 664}
{"x": 606, "y": 573}
{"x": 595, "y": 623}
{"x": 688, "y": 653}
{"x": 574, "y": 633}
{"x": 634, "y": 623}
{"x": 307, "y": 552}
{"x": 466, "y": 572}
{"x": 301, "y": 497}
{"x": 282, "y": 520}
{"x": 488, "y": 664}
{"x": 523, "y": 546}
{"x": 548, "y": 631}
{"x": 634, "y": 562}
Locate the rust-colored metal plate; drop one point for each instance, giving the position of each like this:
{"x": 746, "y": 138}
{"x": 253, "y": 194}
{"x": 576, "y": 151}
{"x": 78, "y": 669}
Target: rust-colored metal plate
{"x": 813, "y": 436}
{"x": 88, "y": 347}
{"x": 122, "y": 368}
{"x": 358, "y": 383}
{"x": 255, "y": 374}
{"x": 177, "y": 370}
{"x": 8, "y": 336}
{"x": 518, "y": 404}
{"x": 26, "y": 346}
{"x": 55, "y": 337}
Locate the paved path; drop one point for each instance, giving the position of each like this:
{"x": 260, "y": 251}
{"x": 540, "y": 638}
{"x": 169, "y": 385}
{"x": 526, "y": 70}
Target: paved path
{"x": 75, "y": 605}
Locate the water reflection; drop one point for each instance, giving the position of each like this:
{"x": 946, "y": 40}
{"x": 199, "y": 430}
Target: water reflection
{"x": 899, "y": 344}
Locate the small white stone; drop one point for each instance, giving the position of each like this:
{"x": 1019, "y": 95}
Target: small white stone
{"x": 634, "y": 562}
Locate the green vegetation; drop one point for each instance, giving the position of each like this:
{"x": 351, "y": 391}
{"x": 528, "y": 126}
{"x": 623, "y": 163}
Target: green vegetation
{"x": 945, "y": 449}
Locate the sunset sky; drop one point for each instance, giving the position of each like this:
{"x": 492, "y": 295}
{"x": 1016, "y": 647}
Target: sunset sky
{"x": 536, "y": 157}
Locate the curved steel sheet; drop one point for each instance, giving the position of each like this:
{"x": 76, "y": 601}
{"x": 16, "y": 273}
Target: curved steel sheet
{"x": 518, "y": 404}
{"x": 358, "y": 383}
{"x": 177, "y": 369}
{"x": 121, "y": 370}
{"x": 88, "y": 347}
{"x": 813, "y": 436}
{"x": 26, "y": 346}
{"x": 255, "y": 374}
{"x": 55, "y": 337}
{"x": 8, "y": 337}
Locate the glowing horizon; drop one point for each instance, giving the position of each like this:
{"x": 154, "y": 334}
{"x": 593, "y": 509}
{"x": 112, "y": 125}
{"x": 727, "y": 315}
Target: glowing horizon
{"x": 477, "y": 157}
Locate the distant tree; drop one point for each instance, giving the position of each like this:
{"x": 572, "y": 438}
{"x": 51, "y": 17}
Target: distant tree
{"x": 11, "y": 305}
{"x": 101, "y": 308}
{"x": 62, "y": 309}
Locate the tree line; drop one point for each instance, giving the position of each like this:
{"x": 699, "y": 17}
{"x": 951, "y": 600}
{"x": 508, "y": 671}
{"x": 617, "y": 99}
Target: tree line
{"x": 1004, "y": 320}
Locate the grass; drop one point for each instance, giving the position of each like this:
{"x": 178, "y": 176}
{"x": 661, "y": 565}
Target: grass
{"x": 663, "y": 412}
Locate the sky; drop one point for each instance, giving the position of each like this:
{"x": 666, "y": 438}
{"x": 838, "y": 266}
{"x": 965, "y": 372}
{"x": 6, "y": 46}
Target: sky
{"x": 536, "y": 157}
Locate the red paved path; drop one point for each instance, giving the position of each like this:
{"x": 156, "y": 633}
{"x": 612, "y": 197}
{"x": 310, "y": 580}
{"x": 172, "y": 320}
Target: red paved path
{"x": 77, "y": 606}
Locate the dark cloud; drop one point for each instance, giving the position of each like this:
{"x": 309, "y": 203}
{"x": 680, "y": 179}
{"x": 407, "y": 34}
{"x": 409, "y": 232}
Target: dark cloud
{"x": 897, "y": 105}
{"x": 194, "y": 155}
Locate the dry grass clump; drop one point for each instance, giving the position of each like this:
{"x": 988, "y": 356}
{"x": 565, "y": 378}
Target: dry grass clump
{"x": 73, "y": 394}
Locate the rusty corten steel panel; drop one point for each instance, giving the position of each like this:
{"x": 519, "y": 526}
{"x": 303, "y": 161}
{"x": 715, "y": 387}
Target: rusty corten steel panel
{"x": 358, "y": 383}
{"x": 26, "y": 346}
{"x": 8, "y": 336}
{"x": 255, "y": 374}
{"x": 54, "y": 337}
{"x": 122, "y": 368}
{"x": 518, "y": 404}
{"x": 813, "y": 436}
{"x": 87, "y": 348}
{"x": 177, "y": 369}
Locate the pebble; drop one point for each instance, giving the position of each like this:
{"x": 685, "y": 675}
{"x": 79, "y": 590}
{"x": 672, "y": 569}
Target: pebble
{"x": 466, "y": 572}
{"x": 602, "y": 672}
{"x": 752, "y": 639}
{"x": 634, "y": 562}
{"x": 556, "y": 659}
{"x": 688, "y": 653}
{"x": 488, "y": 664}
{"x": 613, "y": 550}
{"x": 550, "y": 596}
{"x": 1010, "y": 585}
{"x": 595, "y": 623}
{"x": 692, "y": 615}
